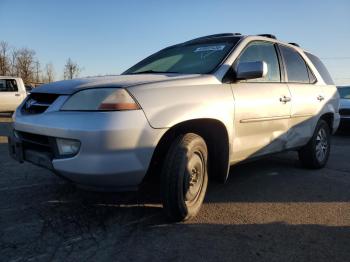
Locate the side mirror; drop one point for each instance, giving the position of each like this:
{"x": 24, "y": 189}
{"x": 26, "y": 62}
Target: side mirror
{"x": 251, "y": 70}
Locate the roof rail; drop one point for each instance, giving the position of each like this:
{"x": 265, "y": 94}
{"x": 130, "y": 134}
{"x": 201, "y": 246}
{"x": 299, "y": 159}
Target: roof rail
{"x": 295, "y": 44}
{"x": 215, "y": 35}
{"x": 268, "y": 35}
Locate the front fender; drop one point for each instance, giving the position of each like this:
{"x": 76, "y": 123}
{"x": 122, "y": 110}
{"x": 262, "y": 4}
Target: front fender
{"x": 165, "y": 107}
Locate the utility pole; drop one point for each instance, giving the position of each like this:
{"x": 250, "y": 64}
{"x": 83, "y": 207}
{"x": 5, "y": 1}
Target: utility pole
{"x": 37, "y": 71}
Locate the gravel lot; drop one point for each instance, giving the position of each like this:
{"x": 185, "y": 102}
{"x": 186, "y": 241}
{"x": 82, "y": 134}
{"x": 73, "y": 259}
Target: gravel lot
{"x": 270, "y": 210}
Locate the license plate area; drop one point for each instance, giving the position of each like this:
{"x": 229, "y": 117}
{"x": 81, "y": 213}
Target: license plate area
{"x": 38, "y": 158}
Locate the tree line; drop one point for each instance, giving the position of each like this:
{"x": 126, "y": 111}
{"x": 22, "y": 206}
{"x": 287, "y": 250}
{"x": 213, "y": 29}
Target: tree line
{"x": 22, "y": 62}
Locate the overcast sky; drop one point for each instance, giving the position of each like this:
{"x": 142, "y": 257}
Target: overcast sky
{"x": 107, "y": 37}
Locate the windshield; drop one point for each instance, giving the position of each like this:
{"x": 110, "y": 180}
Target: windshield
{"x": 344, "y": 92}
{"x": 199, "y": 58}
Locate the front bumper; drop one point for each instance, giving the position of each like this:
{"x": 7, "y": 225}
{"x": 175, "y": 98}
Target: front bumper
{"x": 115, "y": 152}
{"x": 18, "y": 152}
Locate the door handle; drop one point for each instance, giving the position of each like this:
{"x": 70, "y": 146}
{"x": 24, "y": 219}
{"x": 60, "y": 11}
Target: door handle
{"x": 320, "y": 98}
{"x": 17, "y": 95}
{"x": 285, "y": 99}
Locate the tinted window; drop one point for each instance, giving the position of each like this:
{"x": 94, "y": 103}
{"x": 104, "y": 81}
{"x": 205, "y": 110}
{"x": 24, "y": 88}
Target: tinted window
{"x": 344, "y": 92}
{"x": 297, "y": 70}
{"x": 321, "y": 69}
{"x": 191, "y": 58}
{"x": 312, "y": 77}
{"x": 263, "y": 51}
{"x": 8, "y": 85}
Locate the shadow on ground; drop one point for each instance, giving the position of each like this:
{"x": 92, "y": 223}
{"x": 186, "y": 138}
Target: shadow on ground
{"x": 45, "y": 219}
{"x": 73, "y": 239}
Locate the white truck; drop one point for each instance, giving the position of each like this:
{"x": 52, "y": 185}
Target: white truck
{"x": 12, "y": 93}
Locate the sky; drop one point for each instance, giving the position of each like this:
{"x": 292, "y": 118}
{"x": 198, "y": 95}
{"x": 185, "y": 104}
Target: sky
{"x": 107, "y": 37}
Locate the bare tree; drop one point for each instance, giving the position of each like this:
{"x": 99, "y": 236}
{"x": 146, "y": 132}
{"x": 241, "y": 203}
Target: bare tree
{"x": 25, "y": 64}
{"x": 49, "y": 73}
{"x": 4, "y": 59}
{"x": 13, "y": 62}
{"x": 71, "y": 69}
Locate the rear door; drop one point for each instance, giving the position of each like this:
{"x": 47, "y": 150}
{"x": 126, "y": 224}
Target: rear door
{"x": 262, "y": 107}
{"x": 10, "y": 97}
{"x": 307, "y": 97}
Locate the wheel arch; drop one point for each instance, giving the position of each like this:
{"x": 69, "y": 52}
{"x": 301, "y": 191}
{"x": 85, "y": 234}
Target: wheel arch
{"x": 216, "y": 136}
{"x": 328, "y": 118}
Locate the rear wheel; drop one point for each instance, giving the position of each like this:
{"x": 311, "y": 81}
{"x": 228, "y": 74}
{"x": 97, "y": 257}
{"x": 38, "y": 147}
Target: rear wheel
{"x": 316, "y": 153}
{"x": 184, "y": 177}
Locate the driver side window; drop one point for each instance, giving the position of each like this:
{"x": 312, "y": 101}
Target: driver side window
{"x": 8, "y": 85}
{"x": 262, "y": 51}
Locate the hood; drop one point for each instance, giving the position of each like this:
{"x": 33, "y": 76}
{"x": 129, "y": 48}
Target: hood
{"x": 68, "y": 87}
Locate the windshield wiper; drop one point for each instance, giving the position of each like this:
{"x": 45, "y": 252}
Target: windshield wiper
{"x": 154, "y": 72}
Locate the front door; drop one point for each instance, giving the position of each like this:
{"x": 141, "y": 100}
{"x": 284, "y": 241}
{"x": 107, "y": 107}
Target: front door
{"x": 262, "y": 106}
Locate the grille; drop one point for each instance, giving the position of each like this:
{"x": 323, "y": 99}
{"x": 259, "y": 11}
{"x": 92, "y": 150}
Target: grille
{"x": 35, "y": 139}
{"x": 37, "y": 103}
{"x": 39, "y": 143}
{"x": 345, "y": 112}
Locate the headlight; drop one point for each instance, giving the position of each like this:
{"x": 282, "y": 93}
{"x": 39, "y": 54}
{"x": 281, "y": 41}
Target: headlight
{"x": 67, "y": 146}
{"x": 101, "y": 99}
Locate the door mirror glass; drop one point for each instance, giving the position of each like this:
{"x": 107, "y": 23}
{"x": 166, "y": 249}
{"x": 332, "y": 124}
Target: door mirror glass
{"x": 251, "y": 70}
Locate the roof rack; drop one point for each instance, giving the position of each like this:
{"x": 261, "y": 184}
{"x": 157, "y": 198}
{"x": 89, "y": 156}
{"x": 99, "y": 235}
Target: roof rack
{"x": 295, "y": 44}
{"x": 215, "y": 35}
{"x": 268, "y": 35}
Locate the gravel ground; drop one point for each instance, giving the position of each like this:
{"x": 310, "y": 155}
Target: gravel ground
{"x": 270, "y": 210}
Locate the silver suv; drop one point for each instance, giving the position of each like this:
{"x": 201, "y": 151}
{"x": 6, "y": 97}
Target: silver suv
{"x": 187, "y": 112}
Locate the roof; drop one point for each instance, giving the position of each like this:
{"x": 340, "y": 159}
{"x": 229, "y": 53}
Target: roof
{"x": 233, "y": 37}
{"x": 9, "y": 77}
{"x": 224, "y": 37}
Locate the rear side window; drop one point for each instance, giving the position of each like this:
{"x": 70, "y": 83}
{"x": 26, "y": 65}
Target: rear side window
{"x": 297, "y": 70}
{"x": 263, "y": 51}
{"x": 321, "y": 69}
{"x": 8, "y": 85}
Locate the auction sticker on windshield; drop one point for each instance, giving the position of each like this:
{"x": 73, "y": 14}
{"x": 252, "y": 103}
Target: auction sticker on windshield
{"x": 210, "y": 48}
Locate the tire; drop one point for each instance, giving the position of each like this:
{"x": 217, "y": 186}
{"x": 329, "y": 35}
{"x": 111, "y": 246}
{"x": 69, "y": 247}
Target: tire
{"x": 315, "y": 154}
{"x": 184, "y": 177}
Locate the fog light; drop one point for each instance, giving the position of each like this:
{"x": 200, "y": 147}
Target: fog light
{"x": 67, "y": 146}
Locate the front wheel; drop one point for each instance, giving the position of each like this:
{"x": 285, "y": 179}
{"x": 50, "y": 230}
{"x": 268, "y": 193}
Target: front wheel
{"x": 316, "y": 153}
{"x": 184, "y": 177}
